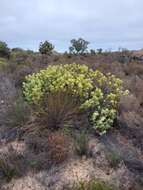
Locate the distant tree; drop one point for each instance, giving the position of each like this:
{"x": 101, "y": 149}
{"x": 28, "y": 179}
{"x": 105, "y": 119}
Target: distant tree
{"x": 100, "y": 50}
{"x": 79, "y": 46}
{"x": 92, "y": 52}
{"x": 71, "y": 50}
{"x": 46, "y": 48}
{"x": 17, "y": 49}
{"x": 4, "y": 50}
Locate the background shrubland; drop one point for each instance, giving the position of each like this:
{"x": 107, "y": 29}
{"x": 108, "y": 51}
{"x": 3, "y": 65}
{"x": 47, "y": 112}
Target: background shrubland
{"x": 54, "y": 112}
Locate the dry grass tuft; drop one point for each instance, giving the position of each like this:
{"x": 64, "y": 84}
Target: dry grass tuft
{"x": 59, "y": 110}
{"x": 11, "y": 164}
{"x": 58, "y": 147}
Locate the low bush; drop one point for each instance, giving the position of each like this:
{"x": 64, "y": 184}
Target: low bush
{"x": 20, "y": 74}
{"x": 46, "y": 48}
{"x": 125, "y": 56}
{"x": 96, "y": 93}
{"x": 20, "y": 57}
{"x": 18, "y": 114}
{"x": 4, "y": 50}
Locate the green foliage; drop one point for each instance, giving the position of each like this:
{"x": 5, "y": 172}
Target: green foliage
{"x": 91, "y": 185}
{"x": 96, "y": 93}
{"x": 3, "y": 63}
{"x": 46, "y": 48}
{"x": 81, "y": 143}
{"x": 78, "y": 46}
{"x": 4, "y": 50}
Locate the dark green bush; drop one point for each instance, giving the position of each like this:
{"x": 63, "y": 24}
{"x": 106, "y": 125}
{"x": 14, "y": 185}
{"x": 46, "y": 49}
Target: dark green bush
{"x": 46, "y": 48}
{"x": 17, "y": 49}
{"x": 4, "y": 50}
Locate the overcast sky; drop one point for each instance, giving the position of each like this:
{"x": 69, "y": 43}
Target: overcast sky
{"x": 108, "y": 24}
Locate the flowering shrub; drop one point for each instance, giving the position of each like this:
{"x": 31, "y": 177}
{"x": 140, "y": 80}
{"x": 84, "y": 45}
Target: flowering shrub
{"x": 98, "y": 94}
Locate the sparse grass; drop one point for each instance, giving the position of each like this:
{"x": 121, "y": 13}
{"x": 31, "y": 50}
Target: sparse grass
{"x": 91, "y": 185}
{"x": 133, "y": 68}
{"x": 52, "y": 148}
{"x": 81, "y": 143}
{"x": 11, "y": 164}
{"x": 36, "y": 165}
{"x": 36, "y": 144}
{"x": 114, "y": 159}
{"x": 7, "y": 170}
{"x": 18, "y": 114}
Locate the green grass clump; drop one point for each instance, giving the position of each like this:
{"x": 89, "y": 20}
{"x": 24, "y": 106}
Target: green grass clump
{"x": 114, "y": 159}
{"x": 81, "y": 143}
{"x": 3, "y": 63}
{"x": 91, "y": 185}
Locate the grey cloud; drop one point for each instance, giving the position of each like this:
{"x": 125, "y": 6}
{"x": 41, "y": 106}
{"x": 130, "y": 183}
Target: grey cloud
{"x": 107, "y": 24}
